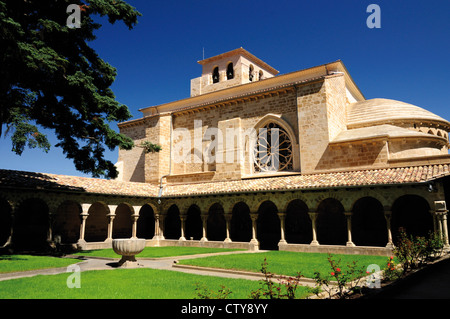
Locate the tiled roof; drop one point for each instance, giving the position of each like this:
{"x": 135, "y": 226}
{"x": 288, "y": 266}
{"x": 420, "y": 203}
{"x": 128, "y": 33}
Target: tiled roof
{"x": 388, "y": 176}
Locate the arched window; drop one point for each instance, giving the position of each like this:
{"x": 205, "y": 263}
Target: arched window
{"x": 230, "y": 71}
{"x": 273, "y": 149}
{"x": 250, "y": 72}
{"x": 261, "y": 75}
{"x": 215, "y": 74}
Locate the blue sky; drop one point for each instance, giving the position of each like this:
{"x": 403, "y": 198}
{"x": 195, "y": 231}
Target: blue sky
{"x": 407, "y": 59}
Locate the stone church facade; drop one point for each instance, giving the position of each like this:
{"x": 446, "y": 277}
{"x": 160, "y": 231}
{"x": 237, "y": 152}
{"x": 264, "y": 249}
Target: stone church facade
{"x": 253, "y": 159}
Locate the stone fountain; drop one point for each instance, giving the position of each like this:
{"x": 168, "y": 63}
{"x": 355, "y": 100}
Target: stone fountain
{"x": 128, "y": 248}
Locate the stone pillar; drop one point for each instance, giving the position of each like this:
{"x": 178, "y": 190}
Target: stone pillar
{"x": 11, "y": 227}
{"x": 445, "y": 229}
{"x": 157, "y": 228}
{"x": 111, "y": 216}
{"x": 313, "y": 216}
{"x": 162, "y": 217}
{"x": 183, "y": 220}
{"x": 134, "y": 218}
{"x": 441, "y": 213}
{"x": 205, "y": 227}
{"x": 387, "y": 216}
{"x": 84, "y": 215}
{"x": 350, "y": 243}
{"x": 254, "y": 244}
{"x": 227, "y": 222}
{"x": 282, "y": 217}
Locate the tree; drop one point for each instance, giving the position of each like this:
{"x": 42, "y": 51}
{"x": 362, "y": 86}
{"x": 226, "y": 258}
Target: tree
{"x": 51, "y": 78}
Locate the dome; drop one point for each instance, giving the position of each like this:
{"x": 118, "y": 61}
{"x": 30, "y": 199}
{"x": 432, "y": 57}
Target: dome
{"x": 384, "y": 111}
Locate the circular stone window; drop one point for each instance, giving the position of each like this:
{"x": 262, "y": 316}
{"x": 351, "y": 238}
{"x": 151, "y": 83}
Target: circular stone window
{"x": 273, "y": 150}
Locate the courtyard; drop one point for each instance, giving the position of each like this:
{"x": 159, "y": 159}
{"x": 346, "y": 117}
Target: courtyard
{"x": 165, "y": 273}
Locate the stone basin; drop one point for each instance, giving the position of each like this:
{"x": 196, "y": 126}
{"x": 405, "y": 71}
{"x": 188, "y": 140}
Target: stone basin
{"x": 128, "y": 248}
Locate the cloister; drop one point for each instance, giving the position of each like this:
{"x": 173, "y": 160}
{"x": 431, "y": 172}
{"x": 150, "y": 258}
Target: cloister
{"x": 363, "y": 220}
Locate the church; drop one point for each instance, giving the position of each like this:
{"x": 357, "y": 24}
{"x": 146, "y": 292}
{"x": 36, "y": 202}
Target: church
{"x": 252, "y": 159}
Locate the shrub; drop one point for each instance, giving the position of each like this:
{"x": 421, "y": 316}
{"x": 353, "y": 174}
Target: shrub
{"x": 391, "y": 271}
{"x": 413, "y": 252}
{"x": 285, "y": 288}
{"x": 345, "y": 283}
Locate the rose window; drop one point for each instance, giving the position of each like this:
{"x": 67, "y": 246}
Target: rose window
{"x": 273, "y": 149}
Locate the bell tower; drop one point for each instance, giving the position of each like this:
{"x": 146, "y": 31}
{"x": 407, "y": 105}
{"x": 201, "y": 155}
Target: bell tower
{"x": 230, "y": 69}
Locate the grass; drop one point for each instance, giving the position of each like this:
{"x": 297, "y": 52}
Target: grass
{"x": 125, "y": 284}
{"x": 285, "y": 263}
{"x": 13, "y": 263}
{"x": 147, "y": 283}
{"x": 157, "y": 252}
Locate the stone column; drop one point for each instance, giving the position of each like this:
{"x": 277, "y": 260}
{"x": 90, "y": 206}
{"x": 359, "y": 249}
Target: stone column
{"x": 350, "y": 243}
{"x": 11, "y": 226}
{"x": 183, "y": 220}
{"x": 313, "y": 216}
{"x": 254, "y": 244}
{"x": 205, "y": 226}
{"x": 161, "y": 226}
{"x": 445, "y": 228}
{"x": 111, "y": 216}
{"x": 282, "y": 217}
{"x": 84, "y": 215}
{"x": 134, "y": 218}
{"x": 227, "y": 222}
{"x": 157, "y": 229}
{"x": 387, "y": 216}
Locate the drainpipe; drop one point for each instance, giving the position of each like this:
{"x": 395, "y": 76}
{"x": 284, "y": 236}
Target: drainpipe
{"x": 170, "y": 162}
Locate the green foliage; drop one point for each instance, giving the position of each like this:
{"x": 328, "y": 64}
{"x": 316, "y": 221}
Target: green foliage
{"x": 149, "y": 147}
{"x": 391, "y": 271}
{"x": 203, "y": 292}
{"x": 413, "y": 252}
{"x": 340, "y": 282}
{"x": 52, "y": 79}
{"x": 285, "y": 288}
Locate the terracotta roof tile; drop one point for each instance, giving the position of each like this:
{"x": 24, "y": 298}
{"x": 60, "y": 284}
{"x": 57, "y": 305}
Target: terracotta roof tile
{"x": 388, "y": 176}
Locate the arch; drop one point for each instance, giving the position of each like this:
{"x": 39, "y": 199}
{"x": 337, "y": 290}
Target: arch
{"x": 146, "y": 222}
{"x": 412, "y": 213}
{"x": 31, "y": 225}
{"x": 5, "y": 221}
{"x": 241, "y": 223}
{"x": 260, "y": 75}
{"x": 172, "y": 223}
{"x": 97, "y": 222}
{"x": 298, "y": 223}
{"x": 194, "y": 223}
{"x": 250, "y": 72}
{"x": 215, "y": 74}
{"x": 216, "y": 225}
{"x": 368, "y": 223}
{"x": 230, "y": 71}
{"x": 331, "y": 223}
{"x": 67, "y": 222}
{"x": 268, "y": 226}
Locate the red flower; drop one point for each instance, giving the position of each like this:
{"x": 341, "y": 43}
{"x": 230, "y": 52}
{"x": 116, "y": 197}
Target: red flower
{"x": 332, "y": 273}
{"x": 338, "y": 269}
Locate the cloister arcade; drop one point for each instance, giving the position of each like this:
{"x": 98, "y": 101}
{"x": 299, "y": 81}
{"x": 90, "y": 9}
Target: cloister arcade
{"x": 347, "y": 220}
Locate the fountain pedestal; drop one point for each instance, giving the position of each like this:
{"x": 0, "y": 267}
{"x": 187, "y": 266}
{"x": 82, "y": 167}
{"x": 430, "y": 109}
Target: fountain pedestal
{"x": 128, "y": 248}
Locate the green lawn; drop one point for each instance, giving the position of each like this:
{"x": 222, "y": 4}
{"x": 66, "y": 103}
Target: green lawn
{"x": 125, "y": 284}
{"x": 285, "y": 263}
{"x": 13, "y": 263}
{"x": 157, "y": 252}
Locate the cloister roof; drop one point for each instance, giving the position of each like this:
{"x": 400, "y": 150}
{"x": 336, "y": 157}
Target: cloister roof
{"x": 10, "y": 179}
